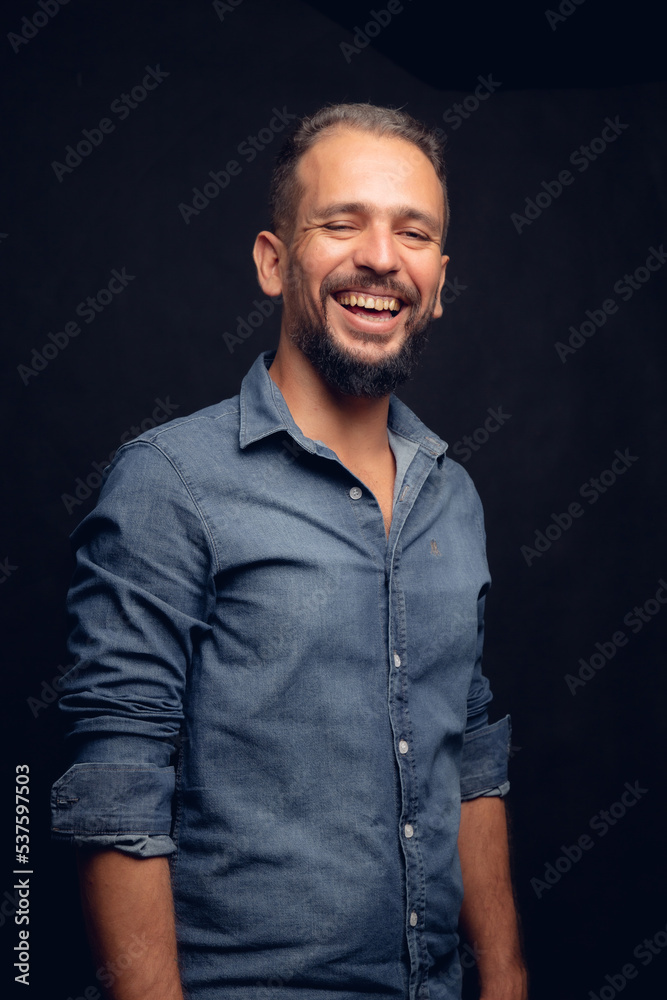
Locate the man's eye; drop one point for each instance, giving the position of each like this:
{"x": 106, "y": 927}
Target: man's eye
{"x": 415, "y": 235}
{"x": 337, "y": 226}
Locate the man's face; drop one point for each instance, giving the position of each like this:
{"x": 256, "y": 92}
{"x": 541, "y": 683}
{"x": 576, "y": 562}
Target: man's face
{"x": 368, "y": 226}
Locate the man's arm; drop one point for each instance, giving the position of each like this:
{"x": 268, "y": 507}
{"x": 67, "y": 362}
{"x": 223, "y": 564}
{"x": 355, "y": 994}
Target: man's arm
{"x": 488, "y": 914}
{"x": 129, "y": 913}
{"x": 139, "y": 603}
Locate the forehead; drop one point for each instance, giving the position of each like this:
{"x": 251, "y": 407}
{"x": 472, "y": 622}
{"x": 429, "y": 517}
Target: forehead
{"x": 350, "y": 165}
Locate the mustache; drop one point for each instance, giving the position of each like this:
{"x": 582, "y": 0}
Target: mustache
{"x": 342, "y": 282}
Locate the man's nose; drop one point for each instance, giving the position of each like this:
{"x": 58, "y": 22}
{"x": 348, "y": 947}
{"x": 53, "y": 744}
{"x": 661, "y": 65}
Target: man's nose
{"x": 377, "y": 248}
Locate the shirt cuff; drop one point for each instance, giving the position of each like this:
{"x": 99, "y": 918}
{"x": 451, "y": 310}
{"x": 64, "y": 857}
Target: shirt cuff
{"x": 109, "y": 799}
{"x": 137, "y": 847}
{"x": 500, "y": 791}
{"x": 484, "y": 760}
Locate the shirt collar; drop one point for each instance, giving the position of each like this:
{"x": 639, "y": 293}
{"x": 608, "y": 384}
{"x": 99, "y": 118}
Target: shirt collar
{"x": 264, "y": 412}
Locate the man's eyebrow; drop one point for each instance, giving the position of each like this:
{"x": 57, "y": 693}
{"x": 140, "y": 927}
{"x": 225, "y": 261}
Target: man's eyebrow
{"x": 364, "y": 208}
{"x": 409, "y": 212}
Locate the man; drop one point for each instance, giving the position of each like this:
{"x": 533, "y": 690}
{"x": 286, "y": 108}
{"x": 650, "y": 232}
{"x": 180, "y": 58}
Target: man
{"x": 285, "y": 592}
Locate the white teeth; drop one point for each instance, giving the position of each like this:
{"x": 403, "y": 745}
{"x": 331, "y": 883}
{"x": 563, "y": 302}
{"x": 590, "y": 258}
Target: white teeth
{"x": 353, "y": 300}
{"x": 361, "y": 301}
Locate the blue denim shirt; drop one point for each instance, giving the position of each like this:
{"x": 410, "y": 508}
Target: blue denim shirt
{"x": 284, "y": 698}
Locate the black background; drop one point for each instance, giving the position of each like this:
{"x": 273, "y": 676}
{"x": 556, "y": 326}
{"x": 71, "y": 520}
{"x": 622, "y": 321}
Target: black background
{"x": 518, "y": 293}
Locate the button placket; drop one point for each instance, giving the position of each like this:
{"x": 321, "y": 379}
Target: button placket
{"x": 400, "y": 717}
{"x": 409, "y": 839}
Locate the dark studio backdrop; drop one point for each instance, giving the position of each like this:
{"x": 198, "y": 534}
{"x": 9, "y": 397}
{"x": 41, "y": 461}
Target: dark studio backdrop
{"x": 130, "y": 298}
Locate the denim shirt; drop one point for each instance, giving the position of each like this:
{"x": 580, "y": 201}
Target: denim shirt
{"x": 284, "y": 699}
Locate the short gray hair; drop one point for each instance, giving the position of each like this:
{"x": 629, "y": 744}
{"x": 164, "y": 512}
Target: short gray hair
{"x": 286, "y": 191}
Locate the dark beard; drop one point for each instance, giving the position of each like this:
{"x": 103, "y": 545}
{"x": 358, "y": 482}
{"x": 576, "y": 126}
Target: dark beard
{"x": 341, "y": 368}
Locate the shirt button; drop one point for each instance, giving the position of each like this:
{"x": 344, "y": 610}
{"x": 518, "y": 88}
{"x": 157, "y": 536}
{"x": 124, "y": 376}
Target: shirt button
{"x": 413, "y": 918}
{"x": 409, "y": 830}
{"x": 397, "y": 660}
{"x": 403, "y": 746}
{"x": 355, "y": 493}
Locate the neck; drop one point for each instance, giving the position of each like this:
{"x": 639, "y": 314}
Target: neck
{"x": 349, "y": 425}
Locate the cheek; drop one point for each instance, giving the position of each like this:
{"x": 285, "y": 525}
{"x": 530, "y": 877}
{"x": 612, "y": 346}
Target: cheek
{"x": 320, "y": 258}
{"x": 428, "y": 283}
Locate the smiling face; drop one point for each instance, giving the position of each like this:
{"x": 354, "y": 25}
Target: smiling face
{"x": 362, "y": 277}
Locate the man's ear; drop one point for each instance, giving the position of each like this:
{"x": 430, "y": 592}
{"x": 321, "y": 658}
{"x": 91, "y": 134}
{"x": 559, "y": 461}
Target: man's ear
{"x": 268, "y": 253}
{"x": 437, "y": 312}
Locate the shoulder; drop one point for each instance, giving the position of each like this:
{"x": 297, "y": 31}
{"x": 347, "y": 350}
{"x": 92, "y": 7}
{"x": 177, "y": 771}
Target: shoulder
{"x": 170, "y": 465}
{"x": 157, "y": 486}
{"x": 185, "y": 443}
{"x": 212, "y": 424}
{"x": 457, "y": 474}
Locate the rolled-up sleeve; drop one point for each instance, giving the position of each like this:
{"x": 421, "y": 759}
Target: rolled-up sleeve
{"x": 484, "y": 761}
{"x": 485, "y": 747}
{"x": 136, "y": 799}
{"x": 138, "y": 604}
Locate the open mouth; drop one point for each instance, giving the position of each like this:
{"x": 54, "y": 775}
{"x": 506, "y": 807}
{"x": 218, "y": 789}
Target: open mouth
{"x": 370, "y": 306}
